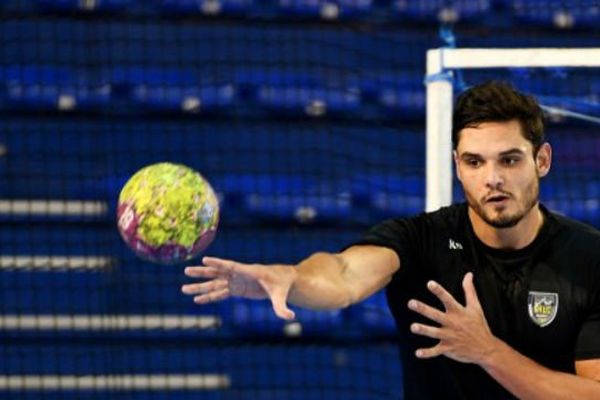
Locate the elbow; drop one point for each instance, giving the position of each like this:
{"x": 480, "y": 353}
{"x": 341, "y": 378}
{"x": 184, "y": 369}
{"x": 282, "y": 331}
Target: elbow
{"x": 337, "y": 298}
{"x": 347, "y": 300}
{"x": 350, "y": 297}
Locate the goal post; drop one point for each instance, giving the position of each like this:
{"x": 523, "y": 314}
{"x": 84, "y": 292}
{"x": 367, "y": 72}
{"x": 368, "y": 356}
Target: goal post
{"x": 440, "y": 64}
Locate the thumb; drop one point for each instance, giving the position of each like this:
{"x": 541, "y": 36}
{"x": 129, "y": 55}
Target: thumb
{"x": 279, "y": 302}
{"x": 470, "y": 291}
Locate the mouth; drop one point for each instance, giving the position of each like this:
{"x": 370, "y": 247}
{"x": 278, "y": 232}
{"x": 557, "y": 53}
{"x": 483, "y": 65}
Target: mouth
{"x": 497, "y": 199}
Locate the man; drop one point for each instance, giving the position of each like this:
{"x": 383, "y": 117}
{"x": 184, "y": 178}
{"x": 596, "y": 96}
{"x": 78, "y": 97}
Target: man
{"x": 493, "y": 298}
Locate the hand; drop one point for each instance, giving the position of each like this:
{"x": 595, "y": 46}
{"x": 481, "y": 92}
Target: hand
{"x": 227, "y": 278}
{"x": 464, "y": 334}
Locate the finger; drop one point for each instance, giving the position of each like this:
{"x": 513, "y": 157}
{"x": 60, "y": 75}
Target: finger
{"x": 430, "y": 352}
{"x": 427, "y": 311}
{"x": 425, "y": 330}
{"x": 446, "y": 298}
{"x": 278, "y": 300}
{"x": 230, "y": 266}
{"x": 212, "y": 297}
{"x": 204, "y": 287}
{"x": 470, "y": 292}
{"x": 202, "y": 272}
{"x": 283, "y": 312}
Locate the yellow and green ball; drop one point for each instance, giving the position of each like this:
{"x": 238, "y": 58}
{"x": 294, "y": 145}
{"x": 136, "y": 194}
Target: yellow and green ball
{"x": 167, "y": 213}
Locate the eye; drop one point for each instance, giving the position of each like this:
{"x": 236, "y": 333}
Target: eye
{"x": 473, "y": 162}
{"x": 510, "y": 161}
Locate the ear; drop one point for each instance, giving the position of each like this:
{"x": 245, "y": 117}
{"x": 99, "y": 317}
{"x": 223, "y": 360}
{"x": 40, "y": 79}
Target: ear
{"x": 455, "y": 156}
{"x": 543, "y": 159}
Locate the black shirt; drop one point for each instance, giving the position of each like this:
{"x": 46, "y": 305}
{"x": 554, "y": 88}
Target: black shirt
{"x": 543, "y": 300}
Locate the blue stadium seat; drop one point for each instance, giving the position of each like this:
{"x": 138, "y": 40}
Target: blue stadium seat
{"x": 310, "y": 100}
{"x": 301, "y": 208}
{"x": 238, "y": 186}
{"x": 85, "y": 5}
{"x": 131, "y": 77}
{"x": 208, "y": 7}
{"x": 397, "y": 204}
{"x": 251, "y": 81}
{"x": 235, "y": 190}
{"x": 290, "y": 370}
{"x": 186, "y": 99}
{"x": 299, "y": 92}
{"x": 391, "y": 196}
{"x": 53, "y": 88}
{"x": 372, "y": 316}
{"x": 172, "y": 90}
{"x": 285, "y": 197}
{"x": 458, "y": 194}
{"x": 253, "y": 317}
{"x": 400, "y": 93}
{"x": 558, "y": 13}
{"x": 447, "y": 11}
{"x": 586, "y": 210}
{"x": 326, "y": 9}
{"x": 569, "y": 90}
{"x": 258, "y": 77}
{"x": 56, "y": 292}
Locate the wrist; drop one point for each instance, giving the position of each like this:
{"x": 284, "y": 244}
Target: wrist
{"x": 492, "y": 355}
{"x": 291, "y": 273}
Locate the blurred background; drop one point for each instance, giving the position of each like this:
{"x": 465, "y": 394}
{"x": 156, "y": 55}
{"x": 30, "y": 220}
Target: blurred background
{"x": 307, "y": 116}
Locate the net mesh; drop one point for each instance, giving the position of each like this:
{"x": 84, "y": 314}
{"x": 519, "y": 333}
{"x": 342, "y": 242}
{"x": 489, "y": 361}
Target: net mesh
{"x": 309, "y": 125}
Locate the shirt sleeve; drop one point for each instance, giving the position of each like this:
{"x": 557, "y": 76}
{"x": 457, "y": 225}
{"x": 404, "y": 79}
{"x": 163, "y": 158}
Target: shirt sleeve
{"x": 404, "y": 236}
{"x": 588, "y": 341}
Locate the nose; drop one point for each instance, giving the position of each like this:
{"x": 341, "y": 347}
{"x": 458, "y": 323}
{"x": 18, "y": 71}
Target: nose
{"x": 494, "y": 179}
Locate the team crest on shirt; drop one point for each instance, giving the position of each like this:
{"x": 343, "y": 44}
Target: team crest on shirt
{"x": 542, "y": 307}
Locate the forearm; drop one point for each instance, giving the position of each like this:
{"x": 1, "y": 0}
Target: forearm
{"x": 320, "y": 284}
{"x": 528, "y": 380}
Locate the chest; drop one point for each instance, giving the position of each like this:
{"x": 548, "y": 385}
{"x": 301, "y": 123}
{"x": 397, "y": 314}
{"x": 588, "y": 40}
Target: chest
{"x": 536, "y": 304}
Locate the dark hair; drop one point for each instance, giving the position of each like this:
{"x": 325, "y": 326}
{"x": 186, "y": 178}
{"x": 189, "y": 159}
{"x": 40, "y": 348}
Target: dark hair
{"x": 496, "y": 101}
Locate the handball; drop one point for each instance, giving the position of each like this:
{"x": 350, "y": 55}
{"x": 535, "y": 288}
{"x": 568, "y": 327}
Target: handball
{"x": 167, "y": 213}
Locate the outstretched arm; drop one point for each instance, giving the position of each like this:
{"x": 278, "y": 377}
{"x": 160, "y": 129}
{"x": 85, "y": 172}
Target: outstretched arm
{"x": 321, "y": 281}
{"x": 464, "y": 335}
{"x": 331, "y": 281}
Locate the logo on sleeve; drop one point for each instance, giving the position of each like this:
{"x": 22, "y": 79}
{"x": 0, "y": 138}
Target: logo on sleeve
{"x": 454, "y": 245}
{"x": 542, "y": 307}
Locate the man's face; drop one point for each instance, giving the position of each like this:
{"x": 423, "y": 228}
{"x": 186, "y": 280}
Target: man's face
{"x": 498, "y": 171}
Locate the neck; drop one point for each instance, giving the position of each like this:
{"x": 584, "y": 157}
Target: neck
{"x": 513, "y": 238}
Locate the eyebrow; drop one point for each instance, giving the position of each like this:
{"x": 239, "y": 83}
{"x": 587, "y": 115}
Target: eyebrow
{"x": 504, "y": 153}
{"x": 512, "y": 151}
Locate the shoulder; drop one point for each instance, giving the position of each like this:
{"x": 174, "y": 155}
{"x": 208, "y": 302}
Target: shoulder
{"x": 450, "y": 218}
{"x": 414, "y": 237}
{"x": 578, "y": 229}
{"x": 577, "y": 235}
